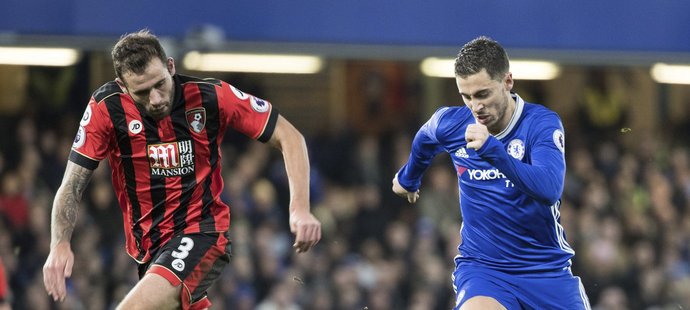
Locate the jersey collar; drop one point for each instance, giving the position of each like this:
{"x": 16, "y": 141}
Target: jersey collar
{"x": 519, "y": 104}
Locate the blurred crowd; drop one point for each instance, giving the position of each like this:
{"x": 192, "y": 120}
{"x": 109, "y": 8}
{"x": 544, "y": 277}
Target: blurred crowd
{"x": 625, "y": 211}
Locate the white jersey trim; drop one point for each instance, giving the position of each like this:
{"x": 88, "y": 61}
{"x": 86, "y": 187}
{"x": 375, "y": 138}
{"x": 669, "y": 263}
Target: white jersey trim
{"x": 560, "y": 232}
{"x": 583, "y": 295}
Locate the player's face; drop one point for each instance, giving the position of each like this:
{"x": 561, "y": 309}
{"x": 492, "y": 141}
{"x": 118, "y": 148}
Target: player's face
{"x": 489, "y": 99}
{"x": 153, "y": 89}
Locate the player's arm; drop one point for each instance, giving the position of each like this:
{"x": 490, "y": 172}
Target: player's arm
{"x": 303, "y": 224}
{"x": 411, "y": 196}
{"x": 425, "y": 147}
{"x": 59, "y": 264}
{"x": 543, "y": 179}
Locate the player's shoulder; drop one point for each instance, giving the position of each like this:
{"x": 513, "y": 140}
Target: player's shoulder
{"x": 452, "y": 114}
{"x": 540, "y": 122}
{"x": 186, "y": 79}
{"x": 449, "y": 120}
{"x": 106, "y": 90}
{"x": 539, "y": 114}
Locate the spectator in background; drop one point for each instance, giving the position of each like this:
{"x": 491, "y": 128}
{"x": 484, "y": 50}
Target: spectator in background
{"x": 14, "y": 206}
{"x": 4, "y": 291}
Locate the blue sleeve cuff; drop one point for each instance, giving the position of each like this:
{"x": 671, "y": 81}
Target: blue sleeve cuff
{"x": 409, "y": 186}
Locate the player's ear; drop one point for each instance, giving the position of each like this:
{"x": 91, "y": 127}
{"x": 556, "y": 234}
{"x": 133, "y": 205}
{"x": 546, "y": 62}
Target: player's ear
{"x": 121, "y": 84}
{"x": 508, "y": 81}
{"x": 171, "y": 65}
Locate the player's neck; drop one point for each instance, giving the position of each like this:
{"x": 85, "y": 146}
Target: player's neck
{"x": 507, "y": 116}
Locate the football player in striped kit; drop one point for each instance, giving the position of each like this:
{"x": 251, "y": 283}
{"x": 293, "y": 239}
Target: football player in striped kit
{"x": 161, "y": 133}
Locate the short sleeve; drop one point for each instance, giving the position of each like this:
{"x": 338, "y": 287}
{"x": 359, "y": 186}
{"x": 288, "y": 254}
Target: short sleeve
{"x": 92, "y": 141}
{"x": 248, "y": 114}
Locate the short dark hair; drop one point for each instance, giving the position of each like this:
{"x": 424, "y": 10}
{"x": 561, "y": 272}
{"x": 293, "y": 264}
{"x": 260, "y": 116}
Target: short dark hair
{"x": 482, "y": 53}
{"x": 134, "y": 51}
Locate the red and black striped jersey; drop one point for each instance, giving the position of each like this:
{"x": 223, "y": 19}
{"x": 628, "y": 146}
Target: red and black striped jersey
{"x": 167, "y": 173}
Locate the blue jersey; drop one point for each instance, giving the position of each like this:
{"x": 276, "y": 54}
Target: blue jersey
{"x": 510, "y": 188}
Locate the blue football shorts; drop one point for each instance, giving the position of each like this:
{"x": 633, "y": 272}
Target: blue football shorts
{"x": 559, "y": 290}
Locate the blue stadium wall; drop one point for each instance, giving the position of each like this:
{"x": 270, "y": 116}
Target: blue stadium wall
{"x": 609, "y": 25}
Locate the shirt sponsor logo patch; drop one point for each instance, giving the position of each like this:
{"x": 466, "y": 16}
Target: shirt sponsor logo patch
{"x": 259, "y": 105}
{"x": 172, "y": 158}
{"x": 240, "y": 94}
{"x": 516, "y": 148}
{"x": 87, "y": 116}
{"x": 196, "y": 118}
{"x": 485, "y": 174}
{"x": 80, "y": 138}
{"x": 135, "y": 126}
{"x": 559, "y": 140}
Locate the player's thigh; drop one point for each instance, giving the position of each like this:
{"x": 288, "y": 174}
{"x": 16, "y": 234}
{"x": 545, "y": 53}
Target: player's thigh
{"x": 152, "y": 292}
{"x": 482, "y": 303}
{"x": 193, "y": 261}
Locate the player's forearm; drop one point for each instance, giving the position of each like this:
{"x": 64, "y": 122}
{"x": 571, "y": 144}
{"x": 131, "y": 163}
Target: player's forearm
{"x": 64, "y": 217}
{"x": 541, "y": 180}
{"x": 538, "y": 182}
{"x": 66, "y": 203}
{"x": 297, "y": 168}
{"x": 291, "y": 143}
{"x": 424, "y": 149}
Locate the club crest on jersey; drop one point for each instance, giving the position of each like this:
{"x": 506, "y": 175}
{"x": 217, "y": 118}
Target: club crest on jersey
{"x": 196, "y": 118}
{"x": 516, "y": 148}
{"x": 559, "y": 140}
{"x": 172, "y": 158}
{"x": 259, "y": 105}
{"x": 80, "y": 138}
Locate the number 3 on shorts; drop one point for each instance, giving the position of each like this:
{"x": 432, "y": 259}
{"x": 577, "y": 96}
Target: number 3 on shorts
{"x": 186, "y": 245}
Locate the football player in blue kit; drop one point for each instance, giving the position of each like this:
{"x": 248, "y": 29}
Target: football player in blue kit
{"x": 510, "y": 161}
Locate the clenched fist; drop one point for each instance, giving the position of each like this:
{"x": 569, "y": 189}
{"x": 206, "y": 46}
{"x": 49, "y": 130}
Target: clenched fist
{"x": 476, "y": 135}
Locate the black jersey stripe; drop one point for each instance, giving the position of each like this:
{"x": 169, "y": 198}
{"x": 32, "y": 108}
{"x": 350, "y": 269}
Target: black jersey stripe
{"x": 179, "y": 120}
{"x": 157, "y": 182}
{"x": 119, "y": 121}
{"x": 82, "y": 160}
{"x": 209, "y": 100}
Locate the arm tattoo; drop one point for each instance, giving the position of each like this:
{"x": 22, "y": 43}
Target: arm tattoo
{"x": 67, "y": 200}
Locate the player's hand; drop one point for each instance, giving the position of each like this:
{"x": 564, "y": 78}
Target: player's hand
{"x": 402, "y": 192}
{"x": 476, "y": 135}
{"x": 307, "y": 230}
{"x": 58, "y": 266}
